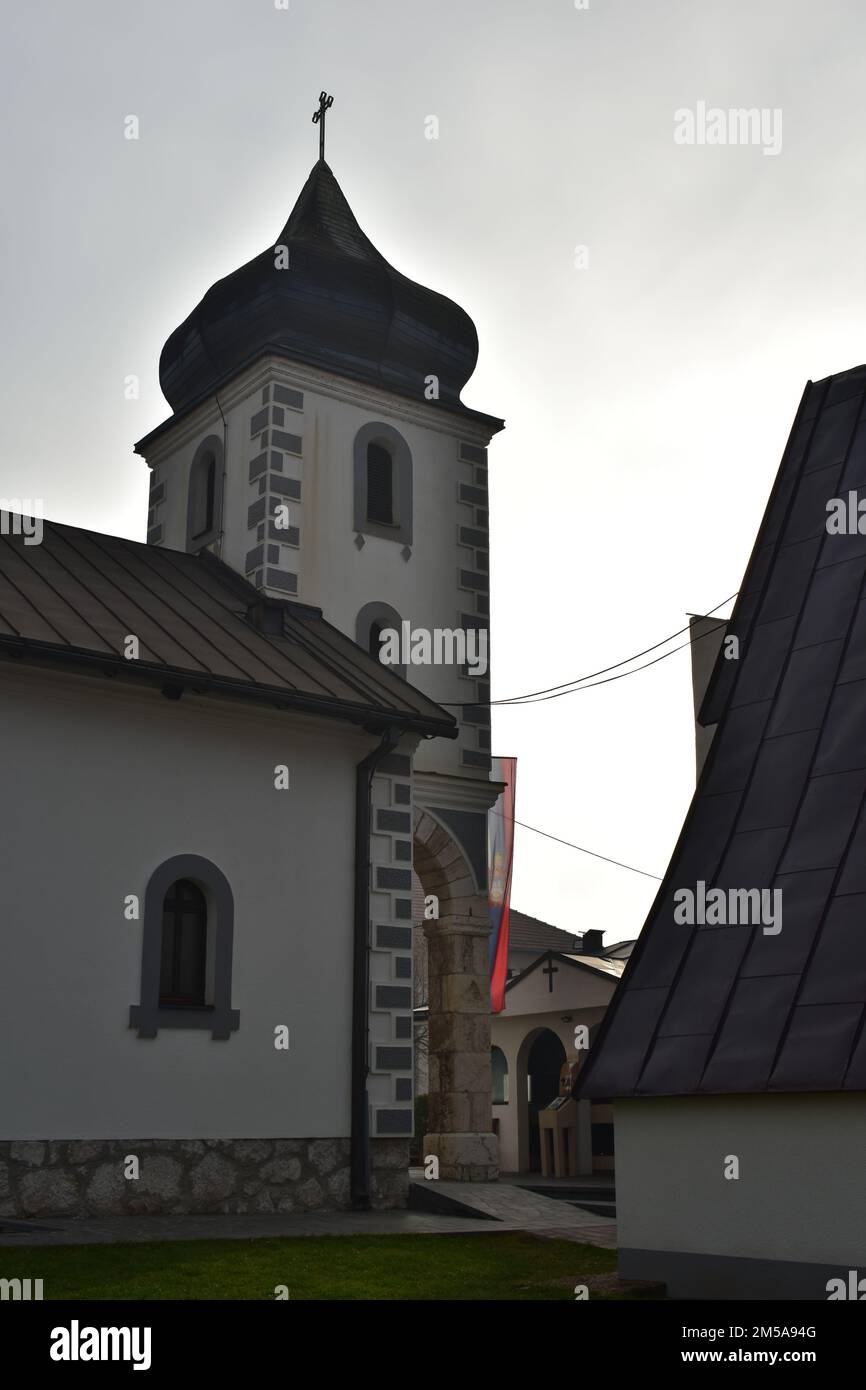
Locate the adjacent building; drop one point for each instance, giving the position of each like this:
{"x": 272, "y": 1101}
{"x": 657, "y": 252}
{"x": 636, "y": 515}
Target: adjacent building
{"x": 734, "y": 1049}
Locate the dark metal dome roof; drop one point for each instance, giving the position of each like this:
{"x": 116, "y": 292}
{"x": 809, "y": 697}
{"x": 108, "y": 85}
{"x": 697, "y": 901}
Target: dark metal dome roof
{"x": 339, "y": 306}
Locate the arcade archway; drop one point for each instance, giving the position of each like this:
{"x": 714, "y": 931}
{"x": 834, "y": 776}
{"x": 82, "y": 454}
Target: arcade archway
{"x": 458, "y": 992}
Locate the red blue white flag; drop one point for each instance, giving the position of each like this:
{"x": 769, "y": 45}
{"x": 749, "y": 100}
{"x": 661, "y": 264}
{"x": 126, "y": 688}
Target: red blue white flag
{"x": 500, "y": 847}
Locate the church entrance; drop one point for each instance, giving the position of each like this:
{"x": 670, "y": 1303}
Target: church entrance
{"x": 546, "y": 1057}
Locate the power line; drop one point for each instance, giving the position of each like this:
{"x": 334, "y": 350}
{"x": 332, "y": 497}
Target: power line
{"x": 554, "y": 692}
{"x": 604, "y": 670}
{"x": 575, "y": 690}
{"x": 571, "y": 845}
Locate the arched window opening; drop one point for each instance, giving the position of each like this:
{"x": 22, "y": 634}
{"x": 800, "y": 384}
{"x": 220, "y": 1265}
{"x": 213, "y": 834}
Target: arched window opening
{"x": 380, "y": 485}
{"x": 499, "y": 1076}
{"x": 373, "y": 620}
{"x": 202, "y": 491}
{"x": 186, "y": 956}
{"x": 183, "y": 959}
{"x": 376, "y": 630}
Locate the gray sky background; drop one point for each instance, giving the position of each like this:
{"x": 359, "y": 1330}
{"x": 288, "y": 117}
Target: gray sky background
{"x": 647, "y": 397}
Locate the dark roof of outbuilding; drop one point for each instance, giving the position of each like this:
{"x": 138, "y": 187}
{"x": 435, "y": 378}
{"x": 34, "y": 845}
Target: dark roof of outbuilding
{"x": 531, "y": 934}
{"x": 338, "y": 305}
{"x": 76, "y": 596}
{"x": 620, "y": 950}
{"x": 780, "y": 805}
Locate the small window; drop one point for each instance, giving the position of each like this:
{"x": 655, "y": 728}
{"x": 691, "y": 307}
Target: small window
{"x": 183, "y": 960}
{"x": 202, "y": 492}
{"x": 373, "y": 621}
{"x": 499, "y": 1076}
{"x": 376, "y": 630}
{"x": 380, "y": 485}
{"x": 186, "y": 956}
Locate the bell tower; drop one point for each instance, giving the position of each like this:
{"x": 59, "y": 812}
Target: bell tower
{"x": 319, "y": 446}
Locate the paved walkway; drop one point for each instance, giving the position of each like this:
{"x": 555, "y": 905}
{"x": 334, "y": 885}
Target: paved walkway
{"x": 476, "y": 1208}
{"x": 511, "y": 1206}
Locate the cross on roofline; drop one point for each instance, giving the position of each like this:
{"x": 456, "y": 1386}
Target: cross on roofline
{"x": 550, "y": 970}
{"x": 325, "y": 102}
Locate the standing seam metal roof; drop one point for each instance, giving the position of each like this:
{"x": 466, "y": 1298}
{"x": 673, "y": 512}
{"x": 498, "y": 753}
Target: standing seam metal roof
{"x": 78, "y": 594}
{"x": 781, "y": 804}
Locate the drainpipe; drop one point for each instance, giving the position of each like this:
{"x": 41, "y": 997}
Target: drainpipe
{"x": 360, "y": 1152}
{"x": 224, "y": 477}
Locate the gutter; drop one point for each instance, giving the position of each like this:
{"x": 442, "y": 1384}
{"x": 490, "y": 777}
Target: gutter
{"x": 360, "y": 1142}
{"x": 222, "y": 529}
{"x": 174, "y": 683}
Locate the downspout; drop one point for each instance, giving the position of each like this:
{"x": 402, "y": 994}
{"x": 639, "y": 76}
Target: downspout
{"x": 224, "y": 477}
{"x": 360, "y": 1149}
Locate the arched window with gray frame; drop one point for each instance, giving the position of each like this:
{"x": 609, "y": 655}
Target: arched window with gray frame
{"x": 187, "y": 943}
{"x": 372, "y": 621}
{"x": 204, "y": 495}
{"x": 383, "y": 483}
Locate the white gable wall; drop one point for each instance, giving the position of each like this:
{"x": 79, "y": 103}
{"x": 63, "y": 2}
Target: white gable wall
{"x": 794, "y": 1217}
{"x": 102, "y": 783}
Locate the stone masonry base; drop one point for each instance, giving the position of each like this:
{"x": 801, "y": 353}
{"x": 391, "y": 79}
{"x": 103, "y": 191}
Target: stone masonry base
{"x": 465, "y": 1157}
{"x": 86, "y": 1177}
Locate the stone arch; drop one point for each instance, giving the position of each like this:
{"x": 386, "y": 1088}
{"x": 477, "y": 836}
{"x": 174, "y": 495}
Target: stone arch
{"x": 458, "y": 993}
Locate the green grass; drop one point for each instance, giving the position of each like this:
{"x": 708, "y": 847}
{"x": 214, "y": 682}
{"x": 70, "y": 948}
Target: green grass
{"x": 486, "y": 1267}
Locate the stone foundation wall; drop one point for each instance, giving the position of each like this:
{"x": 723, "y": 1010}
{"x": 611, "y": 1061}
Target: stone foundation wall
{"x": 85, "y": 1177}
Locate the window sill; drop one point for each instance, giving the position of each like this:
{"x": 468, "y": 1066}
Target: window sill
{"x": 148, "y": 1019}
{"x": 395, "y": 531}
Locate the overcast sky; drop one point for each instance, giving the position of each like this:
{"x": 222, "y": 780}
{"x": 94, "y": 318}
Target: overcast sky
{"x": 647, "y": 396}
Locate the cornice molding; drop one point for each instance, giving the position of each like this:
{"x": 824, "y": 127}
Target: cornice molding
{"x": 304, "y": 378}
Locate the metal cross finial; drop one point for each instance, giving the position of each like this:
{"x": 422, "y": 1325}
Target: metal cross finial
{"x": 319, "y": 119}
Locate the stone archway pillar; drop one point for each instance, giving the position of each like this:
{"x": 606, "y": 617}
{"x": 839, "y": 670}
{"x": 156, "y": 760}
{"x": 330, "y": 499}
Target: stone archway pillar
{"x": 460, "y": 1117}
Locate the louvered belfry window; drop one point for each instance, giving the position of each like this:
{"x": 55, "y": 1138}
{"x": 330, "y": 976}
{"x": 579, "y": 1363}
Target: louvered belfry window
{"x": 380, "y": 485}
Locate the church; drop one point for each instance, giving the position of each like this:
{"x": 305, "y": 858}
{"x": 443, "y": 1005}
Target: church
{"x": 220, "y": 792}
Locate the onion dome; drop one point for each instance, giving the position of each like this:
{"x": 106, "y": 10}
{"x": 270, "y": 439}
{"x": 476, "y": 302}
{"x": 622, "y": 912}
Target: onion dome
{"x": 338, "y": 306}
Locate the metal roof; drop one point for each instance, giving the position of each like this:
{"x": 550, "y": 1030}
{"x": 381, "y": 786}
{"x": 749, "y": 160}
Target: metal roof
{"x": 595, "y": 965}
{"x": 76, "y": 597}
{"x": 340, "y": 307}
{"x": 706, "y": 1008}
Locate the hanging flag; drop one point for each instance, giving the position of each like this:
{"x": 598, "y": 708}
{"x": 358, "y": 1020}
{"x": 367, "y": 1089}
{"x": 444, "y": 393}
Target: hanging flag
{"x": 500, "y": 851}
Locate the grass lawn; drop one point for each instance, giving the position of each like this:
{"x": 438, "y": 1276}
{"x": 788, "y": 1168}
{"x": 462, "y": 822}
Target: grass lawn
{"x": 507, "y": 1266}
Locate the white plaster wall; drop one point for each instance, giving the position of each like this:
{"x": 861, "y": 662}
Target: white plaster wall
{"x": 340, "y": 578}
{"x": 799, "y": 1195}
{"x": 573, "y": 988}
{"x": 102, "y": 783}
{"x": 510, "y": 1032}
